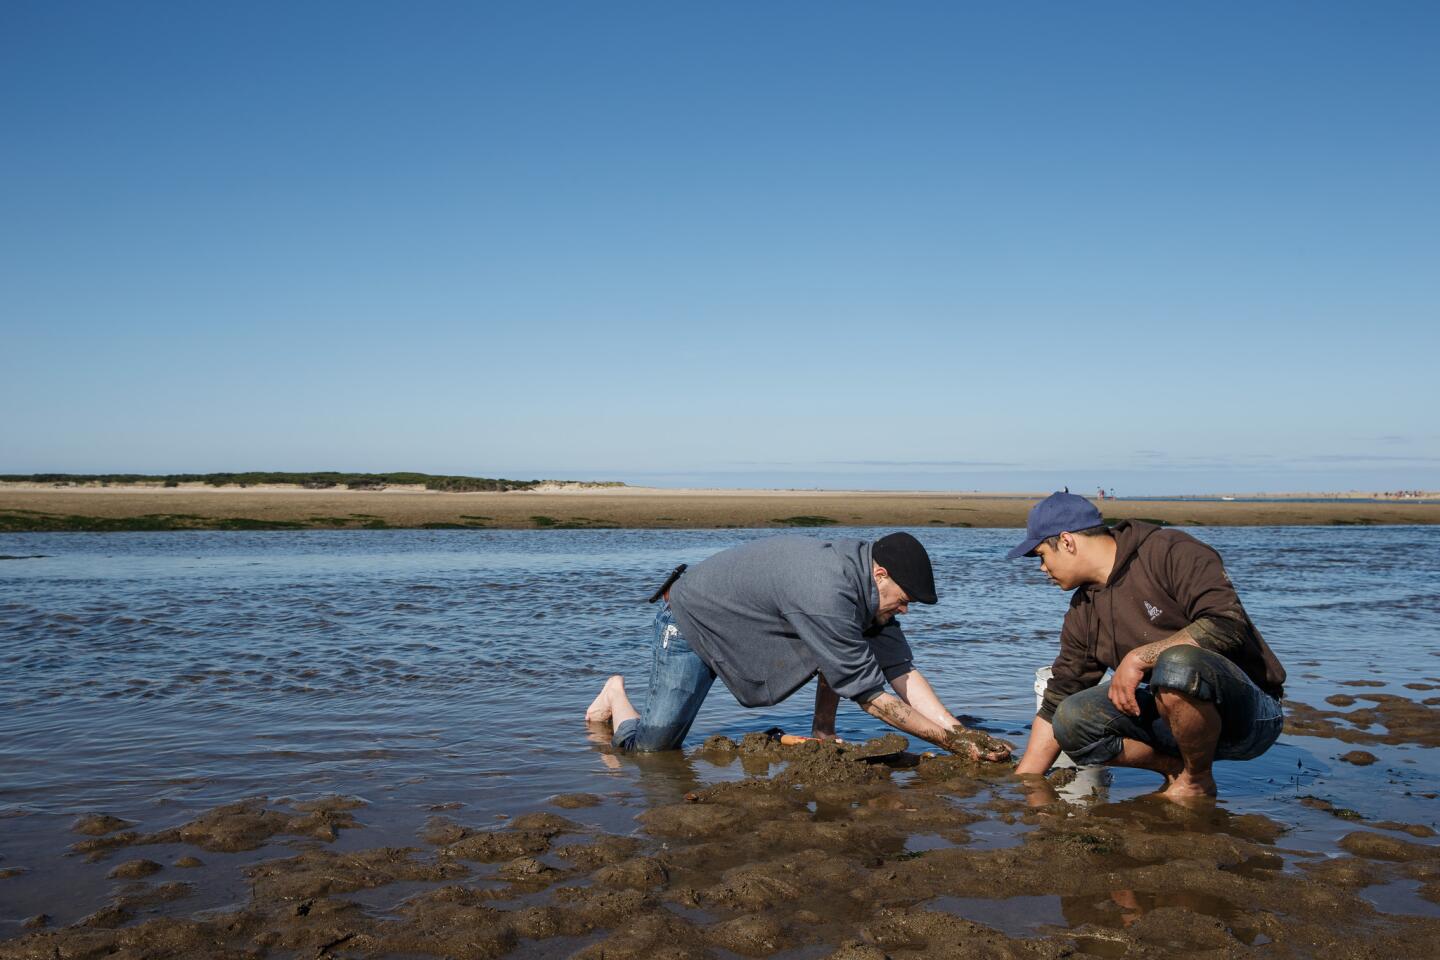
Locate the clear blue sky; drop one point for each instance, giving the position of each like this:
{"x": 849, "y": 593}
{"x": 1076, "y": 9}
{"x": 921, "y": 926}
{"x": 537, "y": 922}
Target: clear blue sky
{"x": 1159, "y": 247}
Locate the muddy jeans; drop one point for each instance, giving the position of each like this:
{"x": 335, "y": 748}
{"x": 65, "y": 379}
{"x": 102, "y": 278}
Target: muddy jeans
{"x": 679, "y": 681}
{"x": 1090, "y": 728}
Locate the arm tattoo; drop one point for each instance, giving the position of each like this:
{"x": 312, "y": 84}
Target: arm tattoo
{"x": 1149, "y": 653}
{"x": 897, "y": 713}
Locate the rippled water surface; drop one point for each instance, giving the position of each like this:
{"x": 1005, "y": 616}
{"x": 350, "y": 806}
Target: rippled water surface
{"x": 155, "y": 675}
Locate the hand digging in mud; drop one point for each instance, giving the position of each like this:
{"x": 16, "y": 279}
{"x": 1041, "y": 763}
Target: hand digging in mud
{"x": 977, "y": 745}
{"x": 956, "y": 738}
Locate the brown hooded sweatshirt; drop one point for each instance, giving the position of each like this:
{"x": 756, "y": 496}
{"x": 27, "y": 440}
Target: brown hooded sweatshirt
{"x": 1163, "y": 581}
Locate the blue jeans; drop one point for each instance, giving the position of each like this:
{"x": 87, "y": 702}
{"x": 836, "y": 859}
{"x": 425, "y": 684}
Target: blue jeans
{"x": 1090, "y": 728}
{"x": 679, "y": 680}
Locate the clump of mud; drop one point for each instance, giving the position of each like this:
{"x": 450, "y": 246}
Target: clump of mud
{"x": 523, "y": 836}
{"x": 1375, "y": 846}
{"x": 135, "y": 869}
{"x": 99, "y": 824}
{"x": 719, "y": 744}
{"x": 322, "y": 873}
{"x": 1361, "y": 758}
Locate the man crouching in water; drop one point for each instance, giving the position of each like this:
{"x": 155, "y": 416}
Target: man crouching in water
{"x": 1149, "y": 603}
{"x": 767, "y": 616}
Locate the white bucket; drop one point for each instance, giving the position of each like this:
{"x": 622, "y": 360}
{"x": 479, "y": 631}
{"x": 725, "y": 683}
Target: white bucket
{"x": 1088, "y": 778}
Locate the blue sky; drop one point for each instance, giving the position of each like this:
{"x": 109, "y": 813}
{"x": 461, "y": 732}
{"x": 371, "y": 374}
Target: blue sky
{"x": 1160, "y": 247}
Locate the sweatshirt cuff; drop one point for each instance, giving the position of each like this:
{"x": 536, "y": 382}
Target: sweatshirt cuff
{"x": 865, "y": 696}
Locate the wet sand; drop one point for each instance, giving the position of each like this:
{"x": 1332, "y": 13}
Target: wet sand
{"x": 816, "y": 852}
{"x": 37, "y": 507}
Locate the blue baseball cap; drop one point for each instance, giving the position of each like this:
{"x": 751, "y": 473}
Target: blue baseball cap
{"x": 1055, "y": 515}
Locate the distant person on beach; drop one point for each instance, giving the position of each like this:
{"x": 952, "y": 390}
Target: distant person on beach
{"x": 1194, "y": 681}
{"x": 766, "y": 617}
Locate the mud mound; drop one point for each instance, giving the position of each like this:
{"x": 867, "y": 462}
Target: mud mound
{"x": 99, "y": 824}
{"x": 1393, "y": 719}
{"x": 245, "y": 825}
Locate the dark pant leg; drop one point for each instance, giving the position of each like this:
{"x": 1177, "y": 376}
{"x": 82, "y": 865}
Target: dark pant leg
{"x": 1090, "y": 728}
{"x": 1250, "y": 719}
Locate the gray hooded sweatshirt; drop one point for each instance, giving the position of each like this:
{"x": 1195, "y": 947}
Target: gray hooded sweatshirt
{"x": 767, "y": 615}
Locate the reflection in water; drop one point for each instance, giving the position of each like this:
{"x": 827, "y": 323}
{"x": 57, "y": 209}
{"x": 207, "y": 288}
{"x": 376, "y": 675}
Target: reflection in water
{"x": 1030, "y": 916}
{"x": 1123, "y": 908}
{"x": 1012, "y": 916}
{"x": 663, "y": 778}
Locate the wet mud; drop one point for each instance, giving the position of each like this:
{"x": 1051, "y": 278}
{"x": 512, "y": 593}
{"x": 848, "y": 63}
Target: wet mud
{"x": 811, "y": 854}
{"x": 245, "y": 825}
{"x": 1392, "y": 719}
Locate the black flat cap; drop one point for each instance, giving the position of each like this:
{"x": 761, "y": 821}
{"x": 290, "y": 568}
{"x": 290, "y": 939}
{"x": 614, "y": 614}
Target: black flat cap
{"x": 908, "y": 564}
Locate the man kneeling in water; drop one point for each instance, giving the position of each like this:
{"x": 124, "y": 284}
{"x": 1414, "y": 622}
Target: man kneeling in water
{"x": 767, "y": 616}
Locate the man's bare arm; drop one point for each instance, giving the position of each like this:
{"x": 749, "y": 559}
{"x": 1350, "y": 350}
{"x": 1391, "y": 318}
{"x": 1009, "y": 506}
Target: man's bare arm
{"x": 900, "y": 715}
{"x": 1138, "y": 662}
{"x": 1041, "y": 751}
{"x": 915, "y": 690}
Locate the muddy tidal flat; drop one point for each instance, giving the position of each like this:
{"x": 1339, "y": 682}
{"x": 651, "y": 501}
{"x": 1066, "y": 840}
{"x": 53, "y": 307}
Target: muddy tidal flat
{"x": 369, "y": 744}
{"x": 814, "y": 853}
{"x": 35, "y": 507}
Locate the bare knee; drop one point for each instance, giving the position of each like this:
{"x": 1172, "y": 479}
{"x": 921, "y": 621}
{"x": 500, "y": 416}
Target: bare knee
{"x": 1168, "y": 700}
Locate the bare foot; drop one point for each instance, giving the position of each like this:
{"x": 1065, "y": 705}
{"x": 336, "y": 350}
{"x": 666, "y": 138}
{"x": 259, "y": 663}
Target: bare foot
{"x": 602, "y": 707}
{"x": 1190, "y": 787}
{"x": 1169, "y": 768}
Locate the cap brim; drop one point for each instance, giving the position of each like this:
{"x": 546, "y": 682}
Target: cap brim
{"x": 1025, "y": 549}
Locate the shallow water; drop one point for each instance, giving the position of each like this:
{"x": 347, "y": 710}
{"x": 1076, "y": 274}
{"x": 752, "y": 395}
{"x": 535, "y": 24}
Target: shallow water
{"x": 154, "y": 676}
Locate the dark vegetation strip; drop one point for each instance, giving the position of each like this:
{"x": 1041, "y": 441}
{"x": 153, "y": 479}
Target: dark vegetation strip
{"x": 31, "y": 521}
{"x": 807, "y": 520}
{"x": 574, "y": 523}
{"x": 321, "y": 480}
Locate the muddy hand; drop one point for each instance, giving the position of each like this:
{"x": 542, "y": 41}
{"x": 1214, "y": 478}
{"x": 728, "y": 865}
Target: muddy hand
{"x": 978, "y": 745}
{"x": 1123, "y": 685}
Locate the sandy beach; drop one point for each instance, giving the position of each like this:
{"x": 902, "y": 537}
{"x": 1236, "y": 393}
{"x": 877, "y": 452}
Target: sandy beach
{"x": 197, "y": 506}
